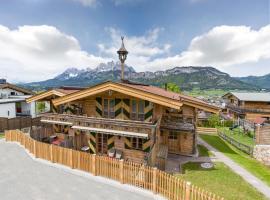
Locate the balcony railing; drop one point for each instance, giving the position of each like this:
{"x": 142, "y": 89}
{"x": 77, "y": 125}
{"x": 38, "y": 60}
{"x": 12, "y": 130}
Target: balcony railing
{"x": 243, "y": 110}
{"x": 117, "y": 126}
{"x": 177, "y": 122}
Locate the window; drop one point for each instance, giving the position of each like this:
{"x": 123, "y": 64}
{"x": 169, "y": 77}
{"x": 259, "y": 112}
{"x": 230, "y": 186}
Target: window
{"x": 141, "y": 110}
{"x": 12, "y": 93}
{"x": 133, "y": 110}
{"x": 108, "y": 110}
{"x": 137, "y": 143}
{"x": 112, "y": 113}
{"x": 173, "y": 135}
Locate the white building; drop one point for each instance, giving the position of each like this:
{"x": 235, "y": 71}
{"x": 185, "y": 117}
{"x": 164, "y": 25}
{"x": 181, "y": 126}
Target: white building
{"x": 12, "y": 101}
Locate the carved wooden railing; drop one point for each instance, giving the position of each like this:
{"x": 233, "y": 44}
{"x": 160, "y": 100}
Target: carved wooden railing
{"x": 93, "y": 122}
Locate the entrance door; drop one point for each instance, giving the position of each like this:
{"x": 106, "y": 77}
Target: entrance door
{"x": 173, "y": 142}
{"x": 102, "y": 143}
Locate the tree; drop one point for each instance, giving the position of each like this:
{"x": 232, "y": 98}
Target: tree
{"x": 214, "y": 120}
{"x": 172, "y": 87}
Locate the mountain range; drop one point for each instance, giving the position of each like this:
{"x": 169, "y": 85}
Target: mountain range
{"x": 259, "y": 81}
{"x": 187, "y": 78}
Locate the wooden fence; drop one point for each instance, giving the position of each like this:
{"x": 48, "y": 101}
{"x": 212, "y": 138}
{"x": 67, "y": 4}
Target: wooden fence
{"x": 242, "y": 147}
{"x": 18, "y": 123}
{"x": 205, "y": 130}
{"x": 125, "y": 172}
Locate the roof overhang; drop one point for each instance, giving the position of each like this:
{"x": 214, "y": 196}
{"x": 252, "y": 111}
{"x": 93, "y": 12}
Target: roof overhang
{"x": 112, "y": 132}
{"x": 161, "y": 100}
{"x": 205, "y": 107}
{"x": 44, "y": 95}
{"x": 17, "y": 88}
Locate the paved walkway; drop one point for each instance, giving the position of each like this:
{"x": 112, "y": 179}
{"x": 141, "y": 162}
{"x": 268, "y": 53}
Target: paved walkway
{"x": 26, "y": 178}
{"x": 175, "y": 161}
{"x": 254, "y": 181}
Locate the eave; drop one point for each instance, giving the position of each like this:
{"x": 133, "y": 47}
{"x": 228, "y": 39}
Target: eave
{"x": 44, "y": 95}
{"x": 171, "y": 103}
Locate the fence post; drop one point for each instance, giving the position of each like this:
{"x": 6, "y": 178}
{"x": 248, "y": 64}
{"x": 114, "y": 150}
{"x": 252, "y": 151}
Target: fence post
{"x": 51, "y": 152}
{"x": 187, "y": 196}
{"x": 79, "y": 160}
{"x": 155, "y": 180}
{"x": 94, "y": 164}
{"x": 35, "y": 148}
{"x": 71, "y": 158}
{"x": 121, "y": 171}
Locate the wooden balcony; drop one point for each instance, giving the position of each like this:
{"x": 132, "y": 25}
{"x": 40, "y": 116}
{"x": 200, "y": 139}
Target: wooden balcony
{"x": 177, "y": 122}
{"x": 119, "y": 127}
{"x": 243, "y": 110}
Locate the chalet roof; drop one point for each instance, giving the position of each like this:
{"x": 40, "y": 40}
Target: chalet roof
{"x": 15, "y": 87}
{"x": 12, "y": 100}
{"x": 58, "y": 92}
{"x": 251, "y": 96}
{"x": 143, "y": 91}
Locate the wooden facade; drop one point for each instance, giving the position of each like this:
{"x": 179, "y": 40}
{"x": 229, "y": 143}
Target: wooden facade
{"x": 247, "y": 109}
{"x": 133, "y": 124}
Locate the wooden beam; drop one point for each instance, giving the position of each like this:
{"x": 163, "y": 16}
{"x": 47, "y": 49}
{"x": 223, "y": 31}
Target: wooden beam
{"x": 205, "y": 107}
{"x": 176, "y": 104}
{"x": 44, "y": 95}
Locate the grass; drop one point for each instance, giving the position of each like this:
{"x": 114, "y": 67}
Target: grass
{"x": 207, "y": 93}
{"x": 203, "y": 151}
{"x": 220, "y": 180}
{"x": 239, "y": 136}
{"x": 253, "y": 166}
{"x": 2, "y": 135}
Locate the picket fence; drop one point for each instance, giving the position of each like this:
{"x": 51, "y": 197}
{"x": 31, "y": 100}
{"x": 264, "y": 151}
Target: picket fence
{"x": 206, "y": 130}
{"x": 159, "y": 182}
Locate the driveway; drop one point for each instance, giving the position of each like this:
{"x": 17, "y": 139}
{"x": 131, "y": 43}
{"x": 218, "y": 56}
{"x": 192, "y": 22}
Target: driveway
{"x": 21, "y": 177}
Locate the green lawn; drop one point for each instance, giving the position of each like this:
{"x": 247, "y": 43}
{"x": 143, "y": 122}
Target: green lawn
{"x": 239, "y": 136}
{"x": 2, "y": 135}
{"x": 206, "y": 93}
{"x": 203, "y": 151}
{"x": 253, "y": 166}
{"x": 221, "y": 181}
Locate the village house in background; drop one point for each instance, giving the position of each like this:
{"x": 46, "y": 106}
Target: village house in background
{"x": 12, "y": 101}
{"x": 251, "y": 106}
{"x": 133, "y": 121}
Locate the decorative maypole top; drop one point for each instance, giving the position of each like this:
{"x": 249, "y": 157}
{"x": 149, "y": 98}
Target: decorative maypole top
{"x": 122, "y": 52}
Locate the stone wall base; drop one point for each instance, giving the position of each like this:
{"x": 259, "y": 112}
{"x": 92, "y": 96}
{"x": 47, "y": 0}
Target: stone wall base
{"x": 262, "y": 154}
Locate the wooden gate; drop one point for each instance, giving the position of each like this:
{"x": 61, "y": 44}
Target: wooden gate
{"x": 173, "y": 142}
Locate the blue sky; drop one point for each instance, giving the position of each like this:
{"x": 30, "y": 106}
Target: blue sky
{"x": 160, "y": 34}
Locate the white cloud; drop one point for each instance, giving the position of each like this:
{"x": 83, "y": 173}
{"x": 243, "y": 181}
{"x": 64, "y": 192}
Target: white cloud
{"x": 33, "y": 53}
{"x": 125, "y": 2}
{"x": 141, "y": 48}
{"x": 87, "y": 3}
{"x": 222, "y": 46}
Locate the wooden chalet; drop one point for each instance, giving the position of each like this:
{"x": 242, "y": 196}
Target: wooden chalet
{"x": 139, "y": 121}
{"x": 249, "y": 106}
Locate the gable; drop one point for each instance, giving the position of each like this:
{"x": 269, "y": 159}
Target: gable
{"x": 133, "y": 92}
{"x": 15, "y": 88}
{"x": 44, "y": 95}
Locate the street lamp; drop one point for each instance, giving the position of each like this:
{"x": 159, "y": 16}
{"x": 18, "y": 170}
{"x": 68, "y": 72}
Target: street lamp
{"x": 122, "y": 52}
